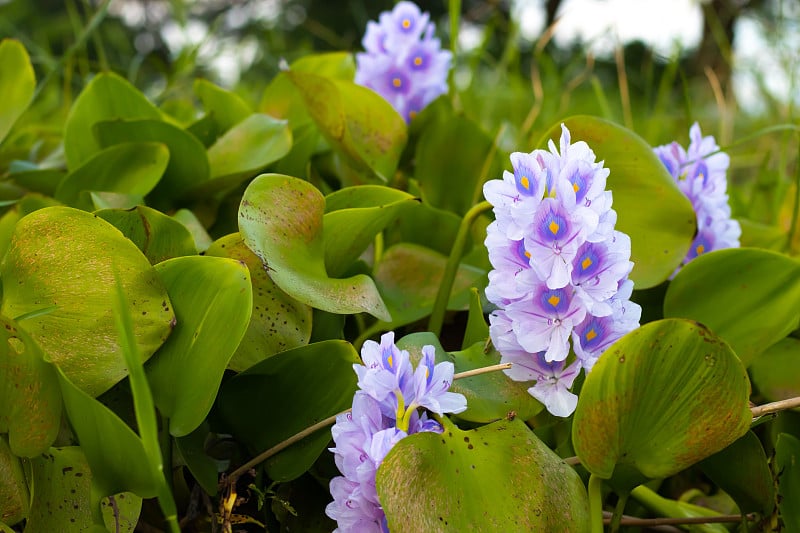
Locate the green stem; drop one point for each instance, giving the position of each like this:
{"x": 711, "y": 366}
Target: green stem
{"x": 595, "y": 504}
{"x": 795, "y": 210}
{"x": 450, "y": 270}
{"x": 616, "y": 518}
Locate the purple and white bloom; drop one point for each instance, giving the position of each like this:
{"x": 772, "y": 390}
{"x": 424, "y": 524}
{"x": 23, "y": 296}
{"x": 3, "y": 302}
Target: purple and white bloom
{"x": 700, "y": 172}
{"x": 560, "y": 267}
{"x": 385, "y": 410}
{"x": 403, "y": 61}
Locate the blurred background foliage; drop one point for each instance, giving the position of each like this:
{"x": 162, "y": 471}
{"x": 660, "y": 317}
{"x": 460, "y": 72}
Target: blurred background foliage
{"x": 515, "y": 84}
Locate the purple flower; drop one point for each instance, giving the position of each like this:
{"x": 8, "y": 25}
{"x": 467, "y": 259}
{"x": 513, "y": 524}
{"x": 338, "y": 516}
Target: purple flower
{"x": 700, "y": 173}
{"x": 403, "y": 61}
{"x": 560, "y": 267}
{"x": 385, "y": 410}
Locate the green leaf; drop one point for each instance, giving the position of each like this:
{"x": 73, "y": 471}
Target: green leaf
{"x": 776, "y": 371}
{"x": 651, "y": 209}
{"x": 408, "y": 278}
{"x": 278, "y": 322}
{"x": 357, "y": 121}
{"x": 14, "y": 498}
{"x": 280, "y": 219}
{"x": 188, "y": 163}
{"x": 226, "y": 107}
{"x": 61, "y": 500}
{"x": 212, "y": 298}
{"x": 244, "y": 150}
{"x": 202, "y": 467}
{"x": 477, "y": 329}
{"x": 787, "y": 465}
{"x": 201, "y": 238}
{"x": 750, "y": 483}
{"x": 17, "y": 83}
{"x": 65, "y": 258}
{"x": 499, "y": 476}
{"x": 757, "y": 235}
{"x": 725, "y": 289}
{"x": 281, "y": 99}
{"x": 489, "y": 396}
{"x": 30, "y": 404}
{"x": 44, "y": 181}
{"x": 106, "y": 97}
{"x": 455, "y": 183}
{"x": 414, "y": 225}
{"x": 349, "y": 230}
{"x": 157, "y": 235}
{"x": 129, "y": 168}
{"x": 294, "y": 390}
{"x": 116, "y": 455}
{"x": 659, "y": 400}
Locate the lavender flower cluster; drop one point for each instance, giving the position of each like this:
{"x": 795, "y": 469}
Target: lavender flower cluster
{"x": 385, "y": 410}
{"x": 560, "y": 269}
{"x": 403, "y": 61}
{"x": 700, "y": 175}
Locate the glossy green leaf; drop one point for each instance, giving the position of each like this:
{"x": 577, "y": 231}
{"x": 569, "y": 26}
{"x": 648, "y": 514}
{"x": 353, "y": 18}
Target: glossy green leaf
{"x": 212, "y": 299}
{"x": 489, "y": 396}
{"x": 455, "y": 183}
{"x": 281, "y": 98}
{"x": 725, "y": 289}
{"x": 202, "y": 467}
{"x": 244, "y": 150}
{"x": 61, "y": 499}
{"x": 280, "y": 219}
{"x": 129, "y": 168}
{"x": 757, "y": 235}
{"x": 64, "y": 258}
{"x": 750, "y": 483}
{"x": 190, "y": 221}
{"x": 157, "y": 235}
{"x": 776, "y": 371}
{"x": 14, "y": 504}
{"x": 285, "y": 394}
{"x": 44, "y": 181}
{"x": 650, "y": 207}
{"x": 188, "y": 163}
{"x": 408, "y": 278}
{"x": 226, "y": 108}
{"x": 17, "y": 83}
{"x": 414, "y": 225}
{"x": 477, "y": 329}
{"x": 499, "y": 477}
{"x": 659, "y": 400}
{"x": 787, "y": 466}
{"x": 278, "y": 322}
{"x": 115, "y": 454}
{"x": 106, "y": 97}
{"x": 349, "y": 230}
{"x": 354, "y": 119}
{"x": 30, "y": 404}
{"x": 110, "y": 200}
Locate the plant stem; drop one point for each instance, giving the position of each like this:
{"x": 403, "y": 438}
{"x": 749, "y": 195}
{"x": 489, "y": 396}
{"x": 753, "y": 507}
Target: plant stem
{"x": 450, "y": 270}
{"x": 595, "y": 504}
{"x": 618, "y": 510}
{"x": 774, "y": 407}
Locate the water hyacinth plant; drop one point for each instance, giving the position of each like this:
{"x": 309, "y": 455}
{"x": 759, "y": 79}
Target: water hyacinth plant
{"x": 560, "y": 269}
{"x": 300, "y": 303}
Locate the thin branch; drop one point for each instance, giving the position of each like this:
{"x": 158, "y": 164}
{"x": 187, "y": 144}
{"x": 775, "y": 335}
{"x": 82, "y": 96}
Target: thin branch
{"x": 479, "y": 371}
{"x": 775, "y": 407}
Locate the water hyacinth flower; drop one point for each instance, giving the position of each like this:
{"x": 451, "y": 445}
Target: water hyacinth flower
{"x": 560, "y": 269}
{"x": 403, "y": 61}
{"x": 700, "y": 173}
{"x": 385, "y": 410}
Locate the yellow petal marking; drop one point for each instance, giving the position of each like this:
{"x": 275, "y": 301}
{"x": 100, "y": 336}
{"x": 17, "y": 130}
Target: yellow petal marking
{"x": 554, "y": 227}
{"x": 586, "y": 263}
{"x": 417, "y": 61}
{"x": 591, "y": 334}
{"x": 406, "y": 24}
{"x": 576, "y": 187}
{"x": 397, "y": 82}
{"x": 700, "y": 249}
{"x": 553, "y": 300}
{"x": 524, "y": 182}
